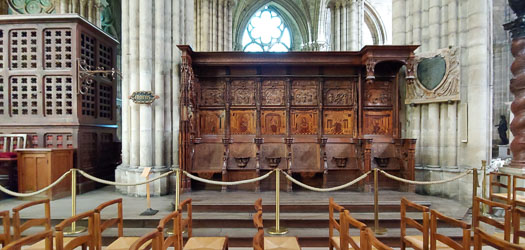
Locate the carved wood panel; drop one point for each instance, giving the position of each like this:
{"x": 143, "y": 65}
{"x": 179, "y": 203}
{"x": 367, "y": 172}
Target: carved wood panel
{"x": 304, "y": 122}
{"x": 378, "y": 93}
{"x": 377, "y": 122}
{"x": 242, "y": 122}
{"x": 338, "y": 122}
{"x": 339, "y": 92}
{"x": 212, "y": 93}
{"x": 273, "y": 122}
{"x": 305, "y": 157}
{"x": 212, "y": 122}
{"x": 273, "y": 92}
{"x": 304, "y": 92}
{"x": 243, "y": 92}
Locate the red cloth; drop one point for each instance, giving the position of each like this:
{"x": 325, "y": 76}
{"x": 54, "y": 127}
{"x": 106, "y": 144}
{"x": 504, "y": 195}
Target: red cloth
{"x": 7, "y": 155}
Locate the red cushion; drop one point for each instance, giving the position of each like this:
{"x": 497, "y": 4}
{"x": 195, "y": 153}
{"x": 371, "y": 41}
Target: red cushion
{"x": 7, "y": 155}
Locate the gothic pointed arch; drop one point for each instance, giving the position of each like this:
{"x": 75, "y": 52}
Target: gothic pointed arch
{"x": 375, "y": 24}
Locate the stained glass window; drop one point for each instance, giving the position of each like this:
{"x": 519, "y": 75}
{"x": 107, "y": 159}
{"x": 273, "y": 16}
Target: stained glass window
{"x": 266, "y": 31}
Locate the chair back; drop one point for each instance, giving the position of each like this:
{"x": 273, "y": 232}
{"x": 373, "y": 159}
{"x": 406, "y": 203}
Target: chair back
{"x": 186, "y": 222}
{"x": 5, "y": 238}
{"x": 152, "y": 240}
{"x": 406, "y": 221}
{"x": 102, "y": 226}
{"x": 495, "y": 183}
{"x": 258, "y": 204}
{"x": 258, "y": 239}
{"x": 517, "y": 213}
{"x": 372, "y": 242}
{"x": 477, "y": 216}
{"x": 18, "y": 228}
{"x": 46, "y": 235}
{"x": 516, "y": 188}
{"x": 87, "y": 239}
{"x": 346, "y": 221}
{"x": 174, "y": 240}
{"x": 332, "y": 222}
{"x": 435, "y": 236}
{"x": 9, "y": 140}
{"x": 481, "y": 237}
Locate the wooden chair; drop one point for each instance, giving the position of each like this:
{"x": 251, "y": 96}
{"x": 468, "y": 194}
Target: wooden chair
{"x": 344, "y": 241}
{"x": 435, "y": 236}
{"x": 45, "y": 236}
{"x": 517, "y": 200}
{"x": 477, "y": 217}
{"x": 85, "y": 240}
{"x": 481, "y": 237}
{"x": 198, "y": 242}
{"x": 152, "y": 240}
{"x": 121, "y": 242}
{"x": 420, "y": 242}
{"x": 373, "y": 243}
{"x": 5, "y": 238}
{"x": 517, "y": 233}
{"x": 18, "y": 228}
{"x": 260, "y": 242}
{"x": 505, "y": 196}
{"x": 174, "y": 240}
{"x": 258, "y": 204}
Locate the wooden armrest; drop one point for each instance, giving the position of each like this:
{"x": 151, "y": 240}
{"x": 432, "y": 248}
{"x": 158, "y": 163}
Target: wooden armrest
{"x": 408, "y": 203}
{"x": 30, "y": 204}
{"x": 258, "y": 204}
{"x": 335, "y": 206}
{"x": 108, "y": 203}
{"x": 452, "y": 221}
{"x": 493, "y": 203}
{"x": 352, "y": 221}
{"x": 162, "y": 223}
{"x": 183, "y": 203}
{"x": 32, "y": 239}
{"x": 68, "y": 221}
{"x": 4, "y": 213}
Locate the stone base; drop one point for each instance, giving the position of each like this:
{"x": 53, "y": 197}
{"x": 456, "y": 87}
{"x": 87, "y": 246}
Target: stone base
{"x": 127, "y": 174}
{"x": 512, "y": 171}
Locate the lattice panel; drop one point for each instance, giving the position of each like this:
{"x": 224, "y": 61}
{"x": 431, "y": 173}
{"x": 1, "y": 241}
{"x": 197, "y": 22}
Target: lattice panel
{"x": 105, "y": 94}
{"x": 105, "y": 56}
{"x": 23, "y": 45}
{"x": 87, "y": 49}
{"x": 1, "y": 49}
{"x": 88, "y": 101}
{"x": 3, "y": 97}
{"x": 59, "y": 95}
{"x": 57, "y": 48}
{"x": 25, "y": 95}
{"x": 58, "y": 140}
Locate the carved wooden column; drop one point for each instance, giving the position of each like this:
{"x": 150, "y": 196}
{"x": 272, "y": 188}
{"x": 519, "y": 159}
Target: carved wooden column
{"x": 517, "y": 84}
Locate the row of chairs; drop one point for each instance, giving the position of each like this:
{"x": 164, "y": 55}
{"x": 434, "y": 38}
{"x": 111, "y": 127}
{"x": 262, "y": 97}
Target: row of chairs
{"x": 511, "y": 186}
{"x": 431, "y": 239}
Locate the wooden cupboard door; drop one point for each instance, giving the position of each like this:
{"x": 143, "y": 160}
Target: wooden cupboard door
{"x": 31, "y": 177}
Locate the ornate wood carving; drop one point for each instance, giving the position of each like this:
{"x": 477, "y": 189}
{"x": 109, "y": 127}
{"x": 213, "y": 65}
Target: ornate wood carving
{"x": 338, "y": 122}
{"x": 273, "y": 92}
{"x": 273, "y": 122}
{"x": 378, "y": 93}
{"x": 304, "y": 92}
{"x": 212, "y": 122}
{"x": 212, "y": 93}
{"x": 339, "y": 92}
{"x": 377, "y": 122}
{"x": 304, "y": 122}
{"x": 242, "y": 122}
{"x": 243, "y": 92}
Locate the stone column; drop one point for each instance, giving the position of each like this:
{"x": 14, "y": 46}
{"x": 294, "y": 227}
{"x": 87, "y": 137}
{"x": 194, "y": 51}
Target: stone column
{"x": 354, "y": 28}
{"x": 517, "y": 85}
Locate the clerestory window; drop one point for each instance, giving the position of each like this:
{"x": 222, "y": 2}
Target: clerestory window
{"x": 266, "y": 32}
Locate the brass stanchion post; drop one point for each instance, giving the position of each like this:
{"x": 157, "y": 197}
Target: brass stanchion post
{"x": 377, "y": 229}
{"x": 74, "y": 229}
{"x": 277, "y": 229}
{"x": 177, "y": 188}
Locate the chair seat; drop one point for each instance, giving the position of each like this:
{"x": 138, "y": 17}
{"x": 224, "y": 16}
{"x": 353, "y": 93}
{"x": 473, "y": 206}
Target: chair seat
{"x": 502, "y": 236}
{"x": 337, "y": 242}
{"x": 281, "y": 243}
{"x": 417, "y": 241}
{"x": 42, "y": 244}
{"x": 123, "y": 243}
{"x": 205, "y": 243}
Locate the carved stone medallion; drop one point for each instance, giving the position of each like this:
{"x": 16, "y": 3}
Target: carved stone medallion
{"x": 377, "y": 122}
{"x": 212, "y": 122}
{"x": 338, "y": 122}
{"x": 273, "y": 92}
{"x": 243, "y": 92}
{"x": 242, "y": 122}
{"x": 304, "y": 92}
{"x": 273, "y": 122}
{"x": 304, "y": 122}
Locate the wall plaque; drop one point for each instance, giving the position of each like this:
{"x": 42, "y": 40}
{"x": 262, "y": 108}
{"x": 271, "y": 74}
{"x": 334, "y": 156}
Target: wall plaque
{"x": 143, "y": 97}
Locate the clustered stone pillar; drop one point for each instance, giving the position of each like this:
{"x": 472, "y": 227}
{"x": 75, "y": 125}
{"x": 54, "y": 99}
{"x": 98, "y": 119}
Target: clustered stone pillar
{"x": 517, "y": 85}
{"x": 347, "y": 20}
{"x": 214, "y": 25}
{"x": 151, "y": 62}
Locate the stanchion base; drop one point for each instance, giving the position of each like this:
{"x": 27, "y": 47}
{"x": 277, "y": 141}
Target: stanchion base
{"x": 70, "y": 231}
{"x": 149, "y": 212}
{"x": 281, "y": 231}
{"x": 170, "y": 232}
{"x": 379, "y": 230}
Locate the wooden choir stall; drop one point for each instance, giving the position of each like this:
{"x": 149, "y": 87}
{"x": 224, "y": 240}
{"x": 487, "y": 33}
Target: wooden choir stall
{"x": 323, "y": 117}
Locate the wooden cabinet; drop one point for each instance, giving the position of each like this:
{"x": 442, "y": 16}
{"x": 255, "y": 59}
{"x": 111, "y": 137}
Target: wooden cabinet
{"x": 38, "y": 168}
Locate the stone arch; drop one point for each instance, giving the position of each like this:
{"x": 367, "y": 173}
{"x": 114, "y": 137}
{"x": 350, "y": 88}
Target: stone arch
{"x": 375, "y": 24}
{"x": 292, "y": 16}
